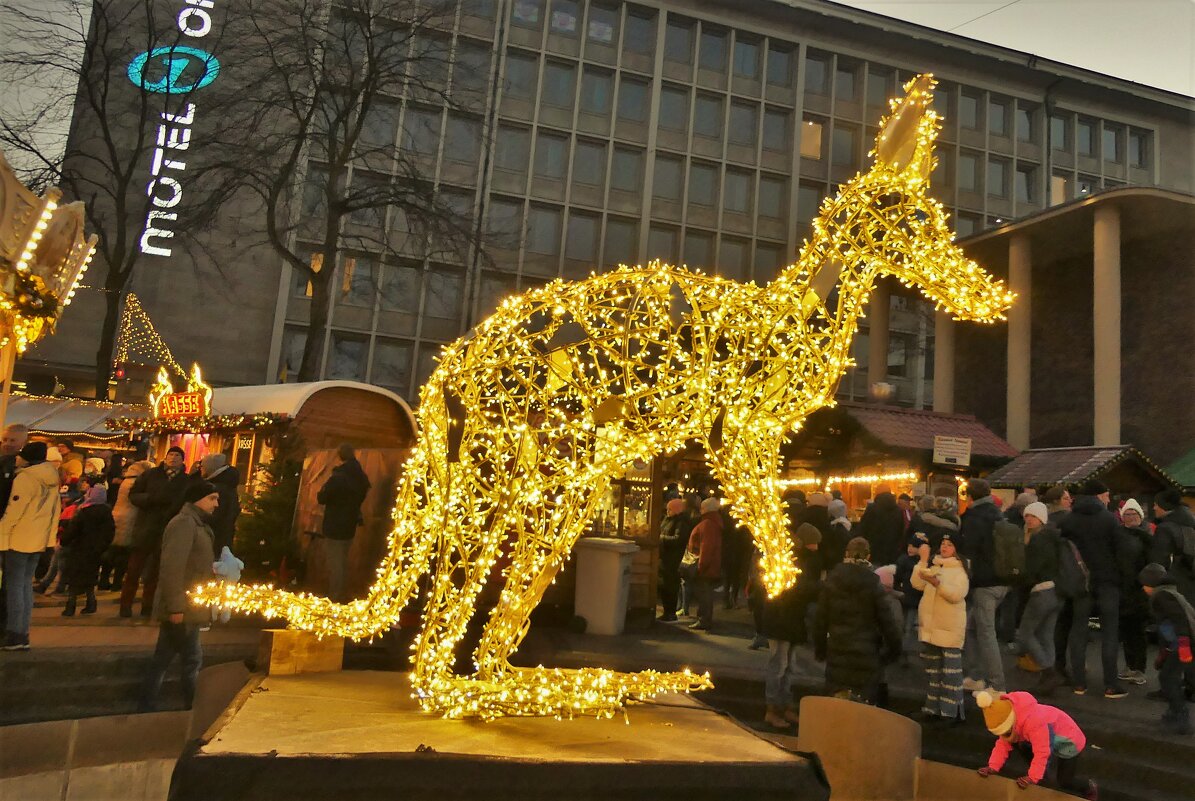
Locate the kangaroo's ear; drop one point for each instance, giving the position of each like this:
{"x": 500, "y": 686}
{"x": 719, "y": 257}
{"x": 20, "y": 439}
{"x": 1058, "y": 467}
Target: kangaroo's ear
{"x": 906, "y": 140}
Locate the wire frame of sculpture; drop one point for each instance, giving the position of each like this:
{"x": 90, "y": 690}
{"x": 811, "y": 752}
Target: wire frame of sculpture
{"x": 525, "y": 422}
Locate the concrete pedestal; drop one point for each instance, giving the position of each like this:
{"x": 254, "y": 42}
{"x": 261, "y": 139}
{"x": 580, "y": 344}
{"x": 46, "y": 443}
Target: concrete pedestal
{"x": 603, "y": 581}
{"x": 358, "y": 734}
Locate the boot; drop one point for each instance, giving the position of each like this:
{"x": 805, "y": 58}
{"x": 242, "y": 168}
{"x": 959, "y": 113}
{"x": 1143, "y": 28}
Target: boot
{"x": 71, "y": 600}
{"x": 1050, "y": 681}
{"x": 790, "y": 715}
{"x": 774, "y": 717}
{"x": 126, "y": 611}
{"x": 1026, "y": 663}
{"x": 90, "y": 607}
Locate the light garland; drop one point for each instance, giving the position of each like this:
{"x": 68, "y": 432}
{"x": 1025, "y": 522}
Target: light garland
{"x": 866, "y": 478}
{"x": 510, "y": 458}
{"x": 138, "y": 342}
{"x": 197, "y": 425}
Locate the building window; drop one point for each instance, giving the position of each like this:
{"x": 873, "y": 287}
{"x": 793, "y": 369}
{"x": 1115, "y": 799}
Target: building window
{"x": 512, "y": 150}
{"x": 703, "y": 184}
{"x": 528, "y": 13}
{"x": 443, "y": 294}
{"x": 780, "y": 66}
{"x": 551, "y": 156}
{"x": 661, "y": 244}
{"x": 736, "y": 193}
{"x": 462, "y": 140}
{"x": 559, "y": 84}
{"x": 768, "y": 260}
{"x": 520, "y": 75}
{"x": 369, "y": 194}
{"x": 678, "y": 41}
{"x": 843, "y": 150}
{"x": 543, "y": 231}
{"x": 844, "y": 82}
{"x": 622, "y": 241}
{"x": 392, "y": 364}
{"x": 1112, "y": 145}
{"x": 589, "y": 163}
{"x": 470, "y": 71}
{"x": 603, "y": 24}
{"x": 505, "y": 222}
{"x": 315, "y": 185}
{"x": 674, "y": 109}
{"x": 1086, "y": 131}
{"x": 775, "y": 129}
{"x": 581, "y": 243}
{"x": 744, "y": 124}
{"x": 1025, "y": 123}
{"x": 966, "y": 224}
{"x": 1138, "y": 149}
{"x": 968, "y": 111}
{"x": 809, "y": 200}
{"x": 379, "y": 128}
{"x": 357, "y": 287}
{"x": 1086, "y": 185}
{"x": 597, "y": 88}
{"x": 773, "y": 197}
{"x": 998, "y": 118}
{"x": 746, "y": 58}
{"x": 817, "y": 72}
{"x": 707, "y": 116}
{"x": 1026, "y": 185}
{"x": 668, "y": 178}
{"x": 564, "y": 17}
{"x": 626, "y": 170}
{"x": 482, "y": 9}
{"x": 699, "y": 249}
{"x": 713, "y": 50}
{"x": 879, "y": 89}
{"x": 421, "y": 132}
{"x": 997, "y": 178}
{"x": 346, "y": 360}
{"x": 1060, "y": 134}
{"x": 1059, "y": 189}
{"x": 968, "y": 172}
{"x": 640, "y": 33}
{"x": 400, "y": 288}
{"x": 811, "y": 139}
{"x": 732, "y": 258}
{"x": 633, "y": 102}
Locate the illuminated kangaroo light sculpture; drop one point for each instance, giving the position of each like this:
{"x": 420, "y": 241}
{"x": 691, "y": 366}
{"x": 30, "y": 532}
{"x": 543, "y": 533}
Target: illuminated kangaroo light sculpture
{"x": 525, "y": 422}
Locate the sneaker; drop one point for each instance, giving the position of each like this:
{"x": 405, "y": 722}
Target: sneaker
{"x": 667, "y": 618}
{"x": 1028, "y": 664}
{"x": 15, "y": 642}
{"x": 973, "y": 685}
{"x": 699, "y": 626}
{"x": 1133, "y": 677}
{"x": 1115, "y": 692}
{"x": 1079, "y": 690}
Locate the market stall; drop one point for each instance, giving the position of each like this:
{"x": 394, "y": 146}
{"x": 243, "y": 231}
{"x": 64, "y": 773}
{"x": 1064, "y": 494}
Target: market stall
{"x": 83, "y": 422}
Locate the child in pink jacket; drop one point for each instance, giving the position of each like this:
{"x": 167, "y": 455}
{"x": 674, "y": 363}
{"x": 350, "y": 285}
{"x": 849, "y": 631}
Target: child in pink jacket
{"x": 1044, "y": 735}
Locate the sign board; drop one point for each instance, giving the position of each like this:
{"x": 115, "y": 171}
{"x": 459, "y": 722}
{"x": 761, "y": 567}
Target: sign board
{"x": 182, "y": 404}
{"x": 952, "y": 450}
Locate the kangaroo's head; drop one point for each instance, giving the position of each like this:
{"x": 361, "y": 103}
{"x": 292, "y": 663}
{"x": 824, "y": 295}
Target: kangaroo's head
{"x": 891, "y": 221}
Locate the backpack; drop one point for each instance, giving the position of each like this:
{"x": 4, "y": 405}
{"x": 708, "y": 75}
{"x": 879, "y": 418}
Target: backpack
{"x": 1074, "y": 579}
{"x": 1008, "y": 550}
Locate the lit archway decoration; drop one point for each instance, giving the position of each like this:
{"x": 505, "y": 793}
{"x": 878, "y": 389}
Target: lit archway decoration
{"x": 525, "y": 421}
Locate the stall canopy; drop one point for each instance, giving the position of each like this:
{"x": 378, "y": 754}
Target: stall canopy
{"x": 1183, "y": 471}
{"x": 71, "y": 418}
{"x": 1121, "y": 467}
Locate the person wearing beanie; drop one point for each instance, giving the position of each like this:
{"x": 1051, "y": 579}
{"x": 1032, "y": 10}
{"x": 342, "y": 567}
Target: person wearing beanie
{"x": 833, "y": 547}
{"x": 1133, "y": 541}
{"x": 935, "y": 519}
{"x": 1173, "y": 545}
{"x": 215, "y": 468}
{"x": 855, "y": 629}
{"x": 1035, "y": 635}
{"x": 1093, "y": 529}
{"x": 706, "y": 542}
{"x": 94, "y": 466}
{"x": 1175, "y": 619}
{"x": 977, "y": 547}
{"x": 672, "y": 549}
{"x": 941, "y": 618}
{"x": 124, "y": 514}
{"x": 158, "y": 496}
{"x": 186, "y": 561}
{"x": 28, "y": 528}
{"x": 817, "y": 514}
{"x": 88, "y": 534}
{"x": 1039, "y": 733}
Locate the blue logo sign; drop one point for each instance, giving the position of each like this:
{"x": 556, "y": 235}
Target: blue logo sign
{"x": 178, "y": 63}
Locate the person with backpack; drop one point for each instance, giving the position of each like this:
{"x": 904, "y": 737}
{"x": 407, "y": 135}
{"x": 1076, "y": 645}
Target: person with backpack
{"x": 1176, "y": 630}
{"x": 1174, "y": 541}
{"x": 1092, "y": 528}
{"x": 1133, "y": 542}
{"x": 1035, "y": 636}
{"x": 977, "y": 531}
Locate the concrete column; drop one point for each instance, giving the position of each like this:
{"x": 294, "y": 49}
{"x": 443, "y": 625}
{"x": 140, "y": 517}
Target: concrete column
{"x": 877, "y": 319}
{"x": 943, "y": 362}
{"x": 1020, "y": 275}
{"x": 1106, "y": 324}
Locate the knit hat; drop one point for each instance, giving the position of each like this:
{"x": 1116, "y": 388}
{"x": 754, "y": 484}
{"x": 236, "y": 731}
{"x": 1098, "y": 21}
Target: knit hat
{"x": 1169, "y": 500}
{"x": 886, "y": 575}
{"x": 858, "y": 548}
{"x": 96, "y": 495}
{"x": 809, "y": 534}
{"x": 94, "y": 465}
{"x": 710, "y": 505}
{"x": 1024, "y": 499}
{"x": 1154, "y": 574}
{"x": 1093, "y": 487}
{"x": 837, "y": 509}
{"x": 198, "y": 490}
{"x": 176, "y": 449}
{"x": 213, "y": 463}
{"x": 819, "y": 499}
{"x": 34, "y": 452}
{"x": 675, "y": 507}
{"x": 978, "y": 488}
{"x": 52, "y": 455}
{"x": 1131, "y": 505}
{"x": 998, "y": 714}
{"x": 918, "y": 539}
{"x": 1038, "y": 510}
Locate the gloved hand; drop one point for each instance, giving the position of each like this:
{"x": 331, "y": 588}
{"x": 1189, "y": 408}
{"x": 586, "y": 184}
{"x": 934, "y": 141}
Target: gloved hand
{"x": 1184, "y": 650}
{"x": 985, "y": 771}
{"x": 1024, "y": 782}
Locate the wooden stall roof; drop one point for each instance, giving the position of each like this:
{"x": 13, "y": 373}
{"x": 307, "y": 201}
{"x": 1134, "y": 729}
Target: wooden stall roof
{"x": 1075, "y": 465}
{"x": 288, "y": 399}
{"x": 70, "y": 417}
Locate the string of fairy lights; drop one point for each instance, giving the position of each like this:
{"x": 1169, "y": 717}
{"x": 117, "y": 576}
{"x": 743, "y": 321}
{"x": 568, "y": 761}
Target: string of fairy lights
{"x": 138, "y": 342}
{"x": 526, "y": 420}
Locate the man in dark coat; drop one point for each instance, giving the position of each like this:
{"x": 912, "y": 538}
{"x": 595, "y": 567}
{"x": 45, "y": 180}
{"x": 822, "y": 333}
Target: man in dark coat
{"x": 783, "y": 623}
{"x": 883, "y": 526}
{"x": 342, "y": 496}
{"x": 88, "y": 534}
{"x": 11, "y": 441}
{"x": 1093, "y": 529}
{"x": 1174, "y": 541}
{"x": 855, "y": 630}
{"x": 981, "y": 653}
{"x": 226, "y": 479}
{"x": 158, "y": 495}
{"x": 1133, "y": 542}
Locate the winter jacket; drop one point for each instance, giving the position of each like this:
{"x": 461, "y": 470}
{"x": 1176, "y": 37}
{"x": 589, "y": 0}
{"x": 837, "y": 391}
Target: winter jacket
{"x": 672, "y": 543}
{"x": 226, "y": 480}
{"x": 1093, "y": 530}
{"x": 910, "y": 595}
{"x": 1041, "y": 555}
{"x": 1016, "y": 516}
{"x": 819, "y": 518}
{"x": 342, "y": 496}
{"x": 706, "y": 542}
{"x": 1174, "y": 621}
{"x": 88, "y": 535}
{"x": 934, "y": 527}
{"x": 784, "y": 615}
{"x": 124, "y": 512}
{"x": 855, "y": 630}
{"x": 1167, "y": 549}
{"x": 8, "y": 472}
{"x": 158, "y": 496}
{"x": 978, "y": 543}
{"x": 30, "y": 522}
{"x": 942, "y": 613}
{"x": 1132, "y": 546}
{"x": 883, "y": 525}
{"x": 187, "y": 557}
{"x": 1048, "y": 730}
{"x": 833, "y": 547}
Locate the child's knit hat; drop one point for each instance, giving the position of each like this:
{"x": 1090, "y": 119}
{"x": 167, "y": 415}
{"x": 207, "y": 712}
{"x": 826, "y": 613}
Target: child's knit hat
{"x": 997, "y": 712}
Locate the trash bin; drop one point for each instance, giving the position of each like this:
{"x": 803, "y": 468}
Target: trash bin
{"x": 603, "y": 581}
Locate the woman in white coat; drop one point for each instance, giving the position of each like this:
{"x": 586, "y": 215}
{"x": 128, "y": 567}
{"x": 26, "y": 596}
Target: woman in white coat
{"x": 28, "y": 528}
{"x": 942, "y": 627}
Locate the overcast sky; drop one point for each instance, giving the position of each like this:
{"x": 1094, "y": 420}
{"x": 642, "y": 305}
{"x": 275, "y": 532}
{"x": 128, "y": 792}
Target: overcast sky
{"x": 1147, "y": 41}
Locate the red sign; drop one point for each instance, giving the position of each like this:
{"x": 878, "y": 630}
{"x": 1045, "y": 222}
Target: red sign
{"x": 182, "y": 404}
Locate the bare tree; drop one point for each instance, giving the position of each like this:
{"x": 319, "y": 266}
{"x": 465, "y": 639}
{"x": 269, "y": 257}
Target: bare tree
{"x": 108, "y": 94}
{"x": 348, "y": 120}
